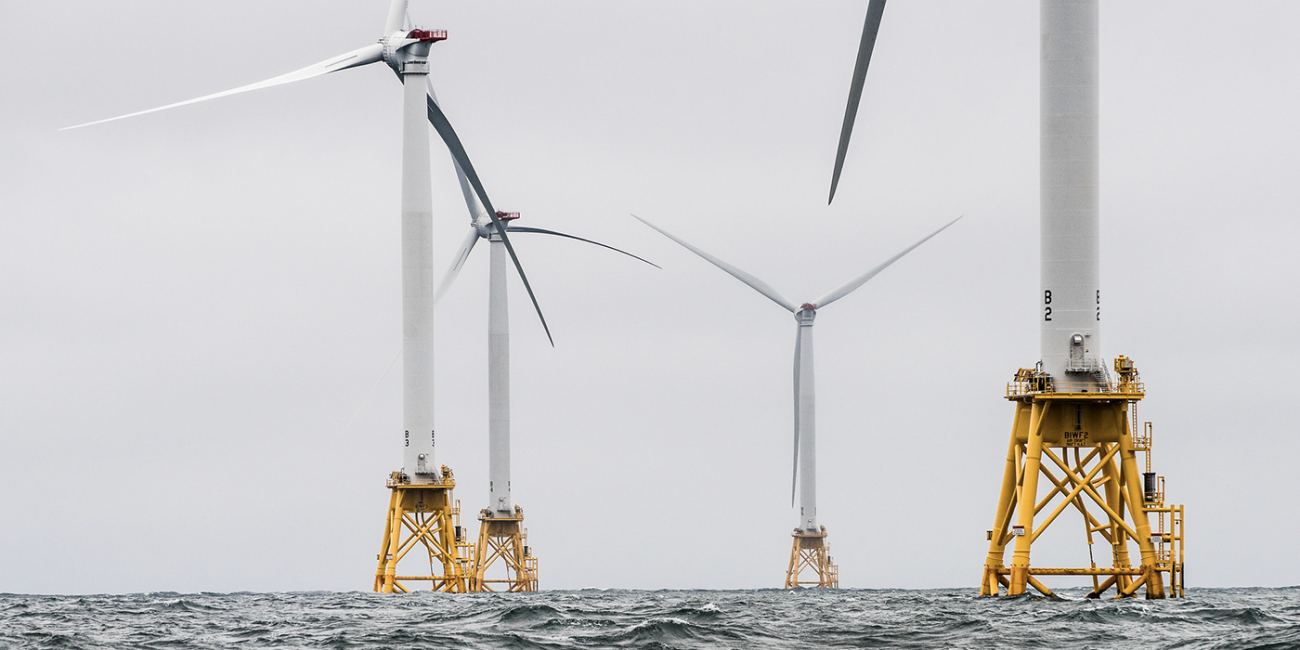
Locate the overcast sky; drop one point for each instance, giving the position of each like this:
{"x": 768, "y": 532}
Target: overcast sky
{"x": 195, "y": 305}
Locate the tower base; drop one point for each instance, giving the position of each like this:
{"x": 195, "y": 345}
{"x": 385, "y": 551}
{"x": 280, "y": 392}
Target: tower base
{"x": 1078, "y": 437}
{"x": 809, "y": 551}
{"x": 423, "y": 515}
{"x": 503, "y": 538}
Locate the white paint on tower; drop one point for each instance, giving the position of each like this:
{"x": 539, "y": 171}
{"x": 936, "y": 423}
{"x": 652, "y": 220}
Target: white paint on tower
{"x": 417, "y": 272}
{"x": 806, "y": 422}
{"x": 1070, "y": 296}
{"x": 498, "y": 379}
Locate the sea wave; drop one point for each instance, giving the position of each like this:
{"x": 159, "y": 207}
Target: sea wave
{"x": 553, "y": 620}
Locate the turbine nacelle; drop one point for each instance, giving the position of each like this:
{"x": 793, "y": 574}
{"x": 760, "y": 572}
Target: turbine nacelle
{"x": 403, "y": 47}
{"x": 806, "y": 314}
{"x": 484, "y": 226}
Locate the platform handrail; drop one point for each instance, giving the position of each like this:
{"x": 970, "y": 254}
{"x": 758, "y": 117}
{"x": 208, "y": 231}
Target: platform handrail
{"x": 1039, "y": 387}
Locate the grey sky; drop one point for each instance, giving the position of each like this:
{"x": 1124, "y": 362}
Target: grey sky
{"x": 196, "y": 303}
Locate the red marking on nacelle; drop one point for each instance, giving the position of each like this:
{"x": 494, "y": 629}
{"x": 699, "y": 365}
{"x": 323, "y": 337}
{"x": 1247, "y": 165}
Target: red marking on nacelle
{"x": 428, "y": 34}
{"x": 507, "y": 216}
{"x": 808, "y": 306}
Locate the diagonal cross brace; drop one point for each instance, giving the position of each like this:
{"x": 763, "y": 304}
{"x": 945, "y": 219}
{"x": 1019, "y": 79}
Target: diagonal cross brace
{"x": 1081, "y": 484}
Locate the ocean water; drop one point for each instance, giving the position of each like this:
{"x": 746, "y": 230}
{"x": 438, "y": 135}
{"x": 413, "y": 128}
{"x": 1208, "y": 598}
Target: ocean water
{"x": 1207, "y": 618}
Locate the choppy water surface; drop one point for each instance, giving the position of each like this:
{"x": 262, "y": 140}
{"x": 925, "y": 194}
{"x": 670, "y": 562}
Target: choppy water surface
{"x": 1227, "y": 618}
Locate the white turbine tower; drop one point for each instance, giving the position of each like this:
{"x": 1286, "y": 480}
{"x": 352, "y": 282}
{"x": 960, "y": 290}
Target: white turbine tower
{"x": 406, "y": 52}
{"x": 809, "y": 547}
{"x": 501, "y": 535}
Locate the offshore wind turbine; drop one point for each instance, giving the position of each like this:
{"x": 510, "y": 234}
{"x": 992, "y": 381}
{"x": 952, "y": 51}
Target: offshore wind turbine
{"x": 501, "y": 532}
{"x": 420, "y": 502}
{"x": 1067, "y": 403}
{"x": 809, "y": 549}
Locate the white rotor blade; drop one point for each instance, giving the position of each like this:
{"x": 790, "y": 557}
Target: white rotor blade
{"x": 472, "y": 203}
{"x": 849, "y": 286}
{"x": 465, "y": 248}
{"x": 440, "y": 124}
{"x": 869, "y": 30}
{"x": 753, "y": 282}
{"x": 544, "y": 231}
{"x": 396, "y": 14}
{"x": 359, "y": 57}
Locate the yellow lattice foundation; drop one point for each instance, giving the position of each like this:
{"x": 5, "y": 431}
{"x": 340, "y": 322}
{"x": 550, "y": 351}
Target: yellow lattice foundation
{"x": 1078, "y": 437}
{"x": 809, "y": 551}
{"x": 503, "y": 541}
{"x": 423, "y": 517}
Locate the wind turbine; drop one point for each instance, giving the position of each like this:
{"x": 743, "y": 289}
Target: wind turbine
{"x": 874, "y": 12}
{"x": 501, "y": 532}
{"x": 809, "y": 548}
{"x": 421, "y": 490}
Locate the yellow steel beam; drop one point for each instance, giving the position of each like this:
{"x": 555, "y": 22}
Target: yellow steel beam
{"x": 1117, "y": 518}
{"x": 1119, "y": 547}
{"x": 1028, "y": 490}
{"x": 1073, "y": 493}
{"x": 1132, "y": 588}
{"x": 1056, "y": 487}
{"x": 1040, "y": 587}
{"x": 1100, "y": 571}
{"x": 1100, "y": 527}
{"x": 419, "y": 534}
{"x": 395, "y": 533}
{"x": 1079, "y": 465}
{"x": 1006, "y": 504}
{"x": 1100, "y": 589}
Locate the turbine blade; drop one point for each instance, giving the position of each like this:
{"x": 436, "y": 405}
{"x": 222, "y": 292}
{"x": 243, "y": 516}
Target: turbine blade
{"x": 443, "y": 127}
{"x": 471, "y": 203}
{"x": 560, "y": 234}
{"x": 358, "y": 57}
{"x": 794, "y": 475}
{"x": 874, "y": 11}
{"x": 465, "y": 248}
{"x": 853, "y": 284}
{"x": 753, "y": 282}
{"x": 396, "y": 13}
